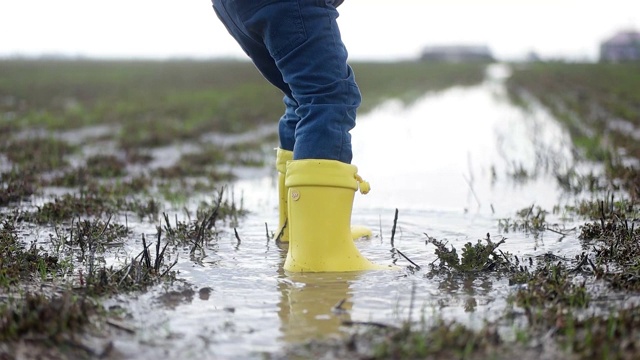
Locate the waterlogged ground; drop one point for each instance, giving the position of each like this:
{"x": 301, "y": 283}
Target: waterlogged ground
{"x": 453, "y": 164}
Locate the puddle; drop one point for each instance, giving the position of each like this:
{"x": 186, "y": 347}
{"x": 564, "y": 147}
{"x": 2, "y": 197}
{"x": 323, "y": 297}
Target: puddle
{"x": 448, "y": 163}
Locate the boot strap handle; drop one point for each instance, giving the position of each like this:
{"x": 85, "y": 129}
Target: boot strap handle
{"x": 364, "y": 186}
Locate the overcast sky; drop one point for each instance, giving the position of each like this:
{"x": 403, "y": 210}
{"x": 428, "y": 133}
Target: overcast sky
{"x": 371, "y": 29}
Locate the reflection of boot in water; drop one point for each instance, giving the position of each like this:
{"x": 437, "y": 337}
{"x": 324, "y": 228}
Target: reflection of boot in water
{"x": 307, "y": 307}
{"x": 282, "y": 157}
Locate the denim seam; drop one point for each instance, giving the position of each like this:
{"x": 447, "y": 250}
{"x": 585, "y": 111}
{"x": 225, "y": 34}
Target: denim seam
{"x": 298, "y": 40}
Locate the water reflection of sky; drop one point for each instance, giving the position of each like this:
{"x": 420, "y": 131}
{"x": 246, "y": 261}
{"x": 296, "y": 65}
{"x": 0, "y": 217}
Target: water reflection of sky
{"x": 440, "y": 152}
{"x": 444, "y": 163}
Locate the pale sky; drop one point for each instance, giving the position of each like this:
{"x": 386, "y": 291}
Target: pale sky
{"x": 371, "y": 29}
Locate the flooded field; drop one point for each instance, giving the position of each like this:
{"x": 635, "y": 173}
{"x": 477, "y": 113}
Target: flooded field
{"x": 456, "y": 166}
{"x": 251, "y": 306}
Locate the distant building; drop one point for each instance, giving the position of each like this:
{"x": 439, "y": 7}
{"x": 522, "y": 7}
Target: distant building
{"x": 457, "y": 53}
{"x": 532, "y": 56}
{"x": 623, "y": 46}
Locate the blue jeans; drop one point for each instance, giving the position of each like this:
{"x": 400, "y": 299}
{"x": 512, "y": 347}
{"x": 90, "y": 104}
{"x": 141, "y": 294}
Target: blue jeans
{"x": 296, "y": 45}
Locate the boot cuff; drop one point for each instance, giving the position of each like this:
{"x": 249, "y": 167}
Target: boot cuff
{"x": 282, "y": 156}
{"x": 315, "y": 172}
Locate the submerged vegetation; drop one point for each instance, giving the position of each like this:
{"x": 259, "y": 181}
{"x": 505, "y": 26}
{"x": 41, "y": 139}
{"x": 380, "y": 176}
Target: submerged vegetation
{"x": 554, "y": 296}
{"x": 88, "y": 147}
{"x": 598, "y": 104}
{"x": 578, "y": 307}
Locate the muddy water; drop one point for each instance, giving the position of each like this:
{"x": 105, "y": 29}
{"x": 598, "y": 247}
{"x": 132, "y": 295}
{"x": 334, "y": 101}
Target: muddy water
{"x": 448, "y": 162}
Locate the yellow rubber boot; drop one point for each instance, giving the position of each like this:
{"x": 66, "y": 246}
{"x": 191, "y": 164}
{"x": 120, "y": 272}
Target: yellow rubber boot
{"x": 320, "y": 200}
{"x": 282, "y": 157}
